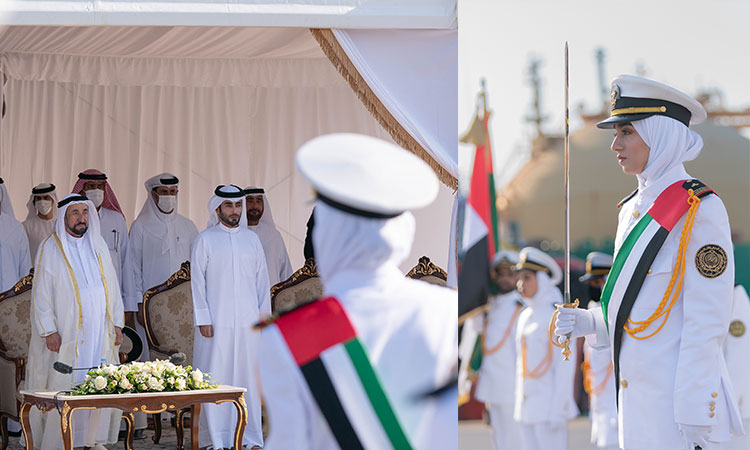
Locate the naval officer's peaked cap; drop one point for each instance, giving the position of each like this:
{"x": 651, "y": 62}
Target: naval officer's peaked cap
{"x": 636, "y": 98}
{"x": 366, "y": 176}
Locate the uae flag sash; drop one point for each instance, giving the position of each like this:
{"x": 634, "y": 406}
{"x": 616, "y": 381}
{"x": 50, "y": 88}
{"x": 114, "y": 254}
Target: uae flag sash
{"x": 638, "y": 251}
{"x": 338, "y": 372}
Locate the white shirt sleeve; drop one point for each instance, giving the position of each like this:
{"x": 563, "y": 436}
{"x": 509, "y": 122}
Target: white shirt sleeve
{"x": 263, "y": 284}
{"x": 133, "y": 270}
{"x": 42, "y": 301}
{"x": 198, "y": 264}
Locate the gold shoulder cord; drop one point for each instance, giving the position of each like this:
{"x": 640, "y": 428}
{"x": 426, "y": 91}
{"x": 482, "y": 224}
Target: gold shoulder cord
{"x": 489, "y": 351}
{"x": 678, "y": 275}
{"x": 543, "y": 366}
{"x": 75, "y": 287}
{"x": 588, "y": 377}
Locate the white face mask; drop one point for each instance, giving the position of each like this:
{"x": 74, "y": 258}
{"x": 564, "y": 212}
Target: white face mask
{"x": 96, "y": 196}
{"x": 43, "y": 207}
{"x": 167, "y": 203}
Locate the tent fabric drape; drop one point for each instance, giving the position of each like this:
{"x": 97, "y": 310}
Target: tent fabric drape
{"x": 211, "y": 105}
{"x": 343, "y": 53}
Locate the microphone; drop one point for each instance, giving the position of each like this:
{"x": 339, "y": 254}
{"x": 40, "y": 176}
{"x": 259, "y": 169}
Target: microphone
{"x": 175, "y": 358}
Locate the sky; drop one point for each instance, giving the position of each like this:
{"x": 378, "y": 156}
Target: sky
{"x": 689, "y": 44}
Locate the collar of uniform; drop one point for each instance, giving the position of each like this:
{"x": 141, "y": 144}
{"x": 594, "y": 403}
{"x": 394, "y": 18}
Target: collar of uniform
{"x": 227, "y": 229}
{"x": 649, "y": 193}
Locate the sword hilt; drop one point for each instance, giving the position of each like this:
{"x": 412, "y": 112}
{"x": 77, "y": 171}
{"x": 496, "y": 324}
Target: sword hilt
{"x": 565, "y": 346}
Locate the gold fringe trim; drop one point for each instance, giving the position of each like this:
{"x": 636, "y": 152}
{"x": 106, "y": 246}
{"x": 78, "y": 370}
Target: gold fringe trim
{"x": 333, "y": 51}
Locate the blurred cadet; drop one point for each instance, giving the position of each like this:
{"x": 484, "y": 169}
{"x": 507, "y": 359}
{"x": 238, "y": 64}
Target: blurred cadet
{"x": 15, "y": 261}
{"x": 42, "y": 212}
{"x": 229, "y": 282}
{"x": 666, "y": 305}
{"x": 94, "y": 185}
{"x": 597, "y": 362}
{"x": 260, "y": 220}
{"x": 497, "y": 374}
{"x": 372, "y": 364}
{"x": 544, "y": 380}
{"x": 736, "y": 349}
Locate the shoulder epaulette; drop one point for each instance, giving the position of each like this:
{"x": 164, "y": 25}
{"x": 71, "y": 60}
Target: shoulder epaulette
{"x": 626, "y": 199}
{"x": 699, "y": 189}
{"x": 264, "y": 323}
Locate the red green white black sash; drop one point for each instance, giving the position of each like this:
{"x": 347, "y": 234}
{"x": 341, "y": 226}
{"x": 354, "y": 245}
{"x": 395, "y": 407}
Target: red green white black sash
{"x": 638, "y": 251}
{"x": 338, "y": 372}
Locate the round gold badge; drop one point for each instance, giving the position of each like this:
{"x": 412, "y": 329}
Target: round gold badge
{"x": 711, "y": 260}
{"x": 736, "y": 328}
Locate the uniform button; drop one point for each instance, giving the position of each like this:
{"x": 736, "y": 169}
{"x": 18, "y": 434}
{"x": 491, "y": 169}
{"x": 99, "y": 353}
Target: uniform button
{"x": 624, "y": 383}
{"x": 649, "y": 271}
{"x": 636, "y": 214}
{"x": 714, "y": 395}
{"x": 712, "y": 403}
{"x": 711, "y": 415}
{"x": 712, "y": 407}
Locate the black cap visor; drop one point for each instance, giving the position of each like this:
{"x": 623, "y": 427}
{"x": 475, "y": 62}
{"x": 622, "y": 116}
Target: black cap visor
{"x": 610, "y": 122}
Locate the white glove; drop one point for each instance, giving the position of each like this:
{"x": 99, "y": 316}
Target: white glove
{"x": 577, "y": 322}
{"x": 694, "y": 435}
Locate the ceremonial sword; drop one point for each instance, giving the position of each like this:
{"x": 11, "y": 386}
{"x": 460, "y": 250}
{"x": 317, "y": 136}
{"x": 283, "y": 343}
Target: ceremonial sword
{"x": 566, "y": 296}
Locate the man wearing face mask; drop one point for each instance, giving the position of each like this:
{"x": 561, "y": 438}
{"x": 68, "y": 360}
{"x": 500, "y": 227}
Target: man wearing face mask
{"x": 597, "y": 362}
{"x": 159, "y": 242}
{"x": 497, "y": 374}
{"x": 354, "y": 368}
{"x": 260, "y": 220}
{"x": 94, "y": 185}
{"x": 229, "y": 282}
{"x": 42, "y": 212}
{"x": 666, "y": 304}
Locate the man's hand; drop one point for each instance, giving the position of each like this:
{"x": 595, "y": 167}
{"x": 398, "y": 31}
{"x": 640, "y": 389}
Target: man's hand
{"x": 206, "y": 330}
{"x": 574, "y": 321}
{"x": 53, "y": 342}
{"x": 694, "y": 435}
{"x": 118, "y": 335}
{"x": 139, "y": 315}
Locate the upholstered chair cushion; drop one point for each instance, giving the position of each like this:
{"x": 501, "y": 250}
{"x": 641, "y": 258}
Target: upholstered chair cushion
{"x": 171, "y": 321}
{"x": 15, "y": 326}
{"x": 292, "y": 296}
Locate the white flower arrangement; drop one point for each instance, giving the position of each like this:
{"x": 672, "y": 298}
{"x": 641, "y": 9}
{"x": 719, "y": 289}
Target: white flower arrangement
{"x": 149, "y": 376}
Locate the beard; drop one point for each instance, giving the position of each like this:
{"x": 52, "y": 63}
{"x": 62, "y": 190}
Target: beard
{"x": 78, "y": 229}
{"x": 232, "y": 220}
{"x": 254, "y": 215}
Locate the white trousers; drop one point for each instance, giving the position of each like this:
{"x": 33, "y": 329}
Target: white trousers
{"x": 545, "y": 436}
{"x": 506, "y": 432}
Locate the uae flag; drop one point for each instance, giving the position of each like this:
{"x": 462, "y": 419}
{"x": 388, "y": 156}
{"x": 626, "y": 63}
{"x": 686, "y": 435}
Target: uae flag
{"x": 338, "y": 372}
{"x": 479, "y": 234}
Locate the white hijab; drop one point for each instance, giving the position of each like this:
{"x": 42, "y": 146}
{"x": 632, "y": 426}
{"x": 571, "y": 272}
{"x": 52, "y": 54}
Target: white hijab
{"x": 345, "y": 242}
{"x": 546, "y": 292}
{"x": 32, "y": 213}
{"x": 6, "y": 206}
{"x": 671, "y": 144}
{"x": 215, "y": 201}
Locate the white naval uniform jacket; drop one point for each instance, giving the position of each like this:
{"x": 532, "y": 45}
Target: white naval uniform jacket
{"x": 603, "y": 411}
{"x": 679, "y": 374}
{"x": 497, "y": 375}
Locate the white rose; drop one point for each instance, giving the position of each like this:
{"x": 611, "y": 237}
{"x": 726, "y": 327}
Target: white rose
{"x": 171, "y": 367}
{"x": 100, "y": 383}
{"x": 197, "y": 376}
{"x": 180, "y": 384}
{"x": 109, "y": 370}
{"x": 154, "y": 384}
{"x": 124, "y": 370}
{"x": 125, "y": 384}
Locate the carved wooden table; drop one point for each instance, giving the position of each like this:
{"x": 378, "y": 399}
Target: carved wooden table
{"x": 150, "y": 402}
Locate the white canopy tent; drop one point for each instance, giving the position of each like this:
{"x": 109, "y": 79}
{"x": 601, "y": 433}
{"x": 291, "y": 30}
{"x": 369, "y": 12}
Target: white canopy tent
{"x": 214, "y": 103}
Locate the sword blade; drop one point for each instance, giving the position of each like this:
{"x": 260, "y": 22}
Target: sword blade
{"x": 567, "y": 183}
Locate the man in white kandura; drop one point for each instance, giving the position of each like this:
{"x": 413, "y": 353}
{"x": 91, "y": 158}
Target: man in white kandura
{"x": 42, "y": 212}
{"x": 77, "y": 318}
{"x": 667, "y": 301}
{"x": 14, "y": 245}
{"x": 159, "y": 242}
{"x": 544, "y": 380}
{"x": 736, "y": 350}
{"x": 260, "y": 220}
{"x": 94, "y": 185}
{"x": 597, "y": 362}
{"x": 363, "y": 367}
{"x": 229, "y": 281}
{"x": 497, "y": 374}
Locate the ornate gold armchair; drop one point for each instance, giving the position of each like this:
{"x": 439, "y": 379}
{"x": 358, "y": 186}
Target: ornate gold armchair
{"x": 426, "y": 270}
{"x": 168, "y": 320}
{"x": 303, "y": 285}
{"x": 15, "y": 332}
